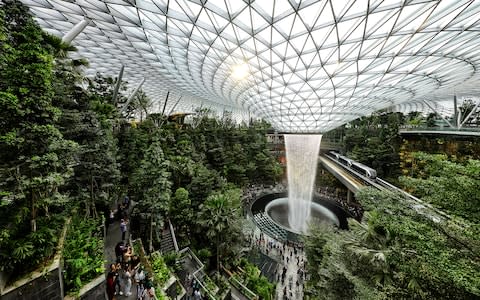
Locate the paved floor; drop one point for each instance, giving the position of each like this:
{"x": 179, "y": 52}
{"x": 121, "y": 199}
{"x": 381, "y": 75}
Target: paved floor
{"x": 288, "y": 261}
{"x": 114, "y": 236}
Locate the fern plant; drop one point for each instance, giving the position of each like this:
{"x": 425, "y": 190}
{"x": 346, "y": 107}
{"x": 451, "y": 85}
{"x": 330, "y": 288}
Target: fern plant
{"x": 82, "y": 254}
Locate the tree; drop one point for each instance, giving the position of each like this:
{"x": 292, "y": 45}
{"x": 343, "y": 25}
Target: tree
{"x": 142, "y": 104}
{"x": 219, "y": 219}
{"x": 152, "y": 185}
{"x": 36, "y": 159}
{"x": 181, "y": 211}
{"x": 446, "y": 184}
{"x": 375, "y": 142}
{"x": 96, "y": 170}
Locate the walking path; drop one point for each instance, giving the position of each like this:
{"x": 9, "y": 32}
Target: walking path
{"x": 291, "y": 262}
{"x": 114, "y": 236}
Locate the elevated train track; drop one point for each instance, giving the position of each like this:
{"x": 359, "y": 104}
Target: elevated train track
{"x": 362, "y": 175}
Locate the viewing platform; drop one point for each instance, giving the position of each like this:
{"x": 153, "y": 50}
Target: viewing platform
{"x": 462, "y": 131}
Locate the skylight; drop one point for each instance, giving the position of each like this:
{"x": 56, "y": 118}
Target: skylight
{"x": 307, "y": 66}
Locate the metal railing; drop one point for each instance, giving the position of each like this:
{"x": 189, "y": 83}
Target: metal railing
{"x": 447, "y": 129}
{"x": 240, "y": 286}
{"x": 172, "y": 232}
{"x": 243, "y": 289}
{"x": 194, "y": 274}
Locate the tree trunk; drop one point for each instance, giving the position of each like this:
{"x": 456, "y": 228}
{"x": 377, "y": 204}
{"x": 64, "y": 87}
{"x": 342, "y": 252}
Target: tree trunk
{"x": 33, "y": 222}
{"x": 91, "y": 194}
{"x": 150, "y": 243}
{"x": 218, "y": 255}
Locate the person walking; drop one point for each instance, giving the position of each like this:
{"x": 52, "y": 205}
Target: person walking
{"x": 140, "y": 280}
{"x": 111, "y": 282}
{"x": 123, "y": 228}
{"x": 149, "y": 292}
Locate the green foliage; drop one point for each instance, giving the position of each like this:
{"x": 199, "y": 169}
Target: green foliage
{"x": 396, "y": 254}
{"x": 35, "y": 159}
{"x": 181, "y": 212}
{"x": 161, "y": 273}
{"x": 198, "y": 160}
{"x": 22, "y": 251}
{"x": 222, "y": 284}
{"x": 152, "y": 179}
{"x": 210, "y": 285}
{"x": 375, "y": 141}
{"x": 220, "y": 220}
{"x": 447, "y": 184}
{"x": 257, "y": 283}
{"x": 83, "y": 253}
{"x": 172, "y": 260}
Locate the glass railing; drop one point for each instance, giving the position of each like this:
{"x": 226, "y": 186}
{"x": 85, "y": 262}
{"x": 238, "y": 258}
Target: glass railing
{"x": 439, "y": 129}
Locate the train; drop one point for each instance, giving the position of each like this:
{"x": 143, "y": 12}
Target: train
{"x": 355, "y": 166}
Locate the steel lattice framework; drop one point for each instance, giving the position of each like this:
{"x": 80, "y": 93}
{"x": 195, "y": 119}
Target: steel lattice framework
{"x": 312, "y": 65}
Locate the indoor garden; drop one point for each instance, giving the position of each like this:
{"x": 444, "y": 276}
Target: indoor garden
{"x": 92, "y": 176}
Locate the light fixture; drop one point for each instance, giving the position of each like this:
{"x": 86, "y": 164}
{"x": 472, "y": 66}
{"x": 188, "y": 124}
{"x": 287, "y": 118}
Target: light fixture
{"x": 240, "y": 71}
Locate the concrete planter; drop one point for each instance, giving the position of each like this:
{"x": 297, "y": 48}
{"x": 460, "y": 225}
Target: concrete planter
{"x": 42, "y": 284}
{"x": 94, "y": 290}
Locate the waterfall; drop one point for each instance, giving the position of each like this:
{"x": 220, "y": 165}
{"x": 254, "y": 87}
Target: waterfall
{"x": 302, "y": 155}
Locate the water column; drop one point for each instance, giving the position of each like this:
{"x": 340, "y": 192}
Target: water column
{"x": 302, "y": 155}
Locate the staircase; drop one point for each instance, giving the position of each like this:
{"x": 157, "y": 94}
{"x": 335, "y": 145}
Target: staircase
{"x": 166, "y": 243}
{"x": 266, "y": 225}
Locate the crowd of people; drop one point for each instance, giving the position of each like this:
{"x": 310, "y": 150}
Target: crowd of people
{"x": 290, "y": 274}
{"x": 354, "y": 209}
{"x": 254, "y": 191}
{"x": 127, "y": 275}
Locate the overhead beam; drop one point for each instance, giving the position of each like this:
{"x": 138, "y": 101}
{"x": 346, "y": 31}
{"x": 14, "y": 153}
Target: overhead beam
{"x": 469, "y": 115}
{"x": 166, "y": 117}
{"x": 165, "y": 104}
{"x": 175, "y": 105}
{"x": 455, "y": 110}
{"x": 75, "y": 31}
{"x": 124, "y": 107}
{"x": 117, "y": 86}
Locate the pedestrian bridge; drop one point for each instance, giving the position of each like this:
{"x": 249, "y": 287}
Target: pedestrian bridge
{"x": 463, "y": 131}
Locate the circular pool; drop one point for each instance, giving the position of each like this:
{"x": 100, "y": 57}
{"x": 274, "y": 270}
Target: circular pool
{"x": 270, "y": 214}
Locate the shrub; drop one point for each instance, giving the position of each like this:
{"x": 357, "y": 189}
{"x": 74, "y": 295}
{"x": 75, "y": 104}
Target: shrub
{"x": 83, "y": 253}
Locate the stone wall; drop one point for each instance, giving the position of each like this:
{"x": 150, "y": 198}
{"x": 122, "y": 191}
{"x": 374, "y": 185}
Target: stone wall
{"x": 39, "y": 286}
{"x": 95, "y": 290}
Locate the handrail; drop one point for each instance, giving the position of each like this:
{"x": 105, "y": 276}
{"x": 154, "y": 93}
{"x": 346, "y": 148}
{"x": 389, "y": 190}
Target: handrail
{"x": 251, "y": 295}
{"x": 187, "y": 249}
{"x": 384, "y": 185}
{"x": 194, "y": 274}
{"x": 437, "y": 128}
{"x": 172, "y": 232}
{"x": 240, "y": 285}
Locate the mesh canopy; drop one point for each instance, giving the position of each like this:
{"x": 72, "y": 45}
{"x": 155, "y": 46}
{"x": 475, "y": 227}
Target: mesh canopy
{"x": 307, "y": 66}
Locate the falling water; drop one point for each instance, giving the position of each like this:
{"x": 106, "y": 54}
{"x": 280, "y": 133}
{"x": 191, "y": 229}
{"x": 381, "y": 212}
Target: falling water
{"x": 302, "y": 154}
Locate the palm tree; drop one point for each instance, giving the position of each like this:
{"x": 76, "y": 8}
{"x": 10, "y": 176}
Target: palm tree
{"x": 366, "y": 242}
{"x": 220, "y": 216}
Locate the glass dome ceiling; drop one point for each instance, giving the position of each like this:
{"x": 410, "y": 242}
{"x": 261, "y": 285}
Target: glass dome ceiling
{"x": 305, "y": 66}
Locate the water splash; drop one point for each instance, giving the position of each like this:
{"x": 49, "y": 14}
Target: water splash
{"x": 302, "y": 155}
